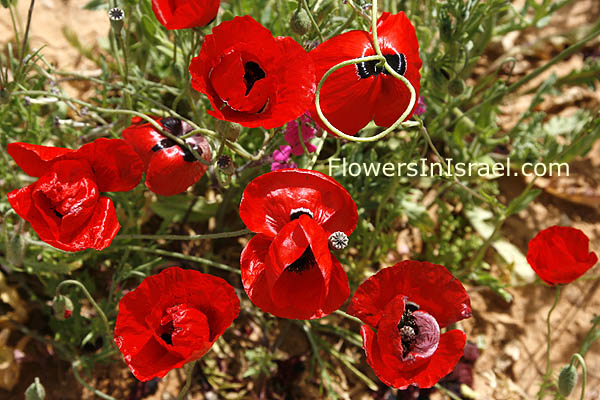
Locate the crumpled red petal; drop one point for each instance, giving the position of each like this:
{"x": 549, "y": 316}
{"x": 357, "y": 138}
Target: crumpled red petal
{"x": 201, "y": 306}
{"x": 269, "y": 200}
{"x": 116, "y": 165}
{"x": 560, "y": 254}
{"x": 34, "y": 159}
{"x": 182, "y": 14}
{"x": 281, "y": 95}
{"x": 426, "y": 374}
{"x": 431, "y": 286}
{"x": 65, "y": 209}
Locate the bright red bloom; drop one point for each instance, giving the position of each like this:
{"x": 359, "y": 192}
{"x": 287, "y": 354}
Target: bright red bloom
{"x": 355, "y": 94}
{"x": 181, "y": 14}
{"x": 287, "y": 269}
{"x": 560, "y": 254}
{"x": 408, "y": 304}
{"x": 171, "y": 319}
{"x": 170, "y": 169}
{"x": 252, "y": 78}
{"x": 64, "y": 206}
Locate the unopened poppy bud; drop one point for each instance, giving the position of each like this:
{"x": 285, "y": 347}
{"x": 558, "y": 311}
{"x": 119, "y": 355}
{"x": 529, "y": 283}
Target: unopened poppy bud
{"x": 338, "y": 241}
{"x": 116, "y": 16}
{"x": 456, "y": 86}
{"x": 229, "y": 130}
{"x": 226, "y": 165}
{"x": 35, "y": 391}
{"x": 300, "y": 21}
{"x": 62, "y": 307}
{"x": 567, "y": 380}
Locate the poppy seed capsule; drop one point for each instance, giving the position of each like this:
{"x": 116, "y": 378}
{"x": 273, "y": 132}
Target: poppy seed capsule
{"x": 338, "y": 241}
{"x": 300, "y": 22}
{"x": 62, "y": 307}
{"x": 35, "y": 391}
{"x": 116, "y": 16}
{"x": 567, "y": 380}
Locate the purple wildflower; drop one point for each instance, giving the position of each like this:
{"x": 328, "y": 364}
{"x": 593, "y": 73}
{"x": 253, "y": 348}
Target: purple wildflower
{"x": 281, "y": 158}
{"x": 308, "y": 132}
{"x": 421, "y": 106}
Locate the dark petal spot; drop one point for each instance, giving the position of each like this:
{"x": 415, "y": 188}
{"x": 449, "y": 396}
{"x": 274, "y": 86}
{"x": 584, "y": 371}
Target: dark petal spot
{"x": 59, "y": 215}
{"x": 305, "y": 262}
{"x": 252, "y": 73}
{"x": 295, "y": 214}
{"x": 167, "y": 338}
{"x": 172, "y": 125}
{"x": 163, "y": 144}
{"x": 370, "y": 68}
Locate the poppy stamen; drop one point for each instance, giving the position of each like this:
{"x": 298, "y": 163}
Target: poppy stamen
{"x": 167, "y": 333}
{"x": 409, "y": 330}
{"x": 252, "y": 73}
{"x": 305, "y": 262}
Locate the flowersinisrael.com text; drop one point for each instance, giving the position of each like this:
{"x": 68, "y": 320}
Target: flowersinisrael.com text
{"x": 424, "y": 167}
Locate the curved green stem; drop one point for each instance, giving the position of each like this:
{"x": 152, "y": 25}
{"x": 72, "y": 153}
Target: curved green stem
{"x": 90, "y": 298}
{"x": 98, "y": 393}
{"x": 198, "y": 260}
{"x": 220, "y": 235}
{"x": 189, "y": 368}
{"x": 581, "y": 362}
{"x": 411, "y": 89}
{"x": 312, "y": 21}
{"x": 348, "y": 316}
{"x": 548, "y": 331}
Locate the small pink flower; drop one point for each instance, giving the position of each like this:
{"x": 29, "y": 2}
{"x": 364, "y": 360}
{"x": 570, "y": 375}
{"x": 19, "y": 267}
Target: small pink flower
{"x": 421, "y": 106}
{"x": 308, "y": 132}
{"x": 281, "y": 158}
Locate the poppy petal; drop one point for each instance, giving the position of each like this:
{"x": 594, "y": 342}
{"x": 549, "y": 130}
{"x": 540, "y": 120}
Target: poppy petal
{"x": 34, "y": 159}
{"x": 182, "y": 14}
{"x": 254, "y": 280}
{"x": 270, "y": 200}
{"x": 116, "y": 165}
{"x": 431, "y": 286}
{"x": 560, "y": 254}
{"x": 172, "y": 318}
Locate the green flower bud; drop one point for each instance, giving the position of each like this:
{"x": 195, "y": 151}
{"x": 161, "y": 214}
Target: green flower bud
{"x": 567, "y": 380}
{"x": 300, "y": 21}
{"x": 62, "y": 307}
{"x": 456, "y": 87}
{"x": 229, "y": 130}
{"x": 35, "y": 391}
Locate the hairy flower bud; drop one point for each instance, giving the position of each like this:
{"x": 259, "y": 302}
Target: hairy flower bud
{"x": 62, "y": 307}
{"x": 229, "y": 130}
{"x": 567, "y": 380}
{"x": 35, "y": 391}
{"x": 300, "y": 22}
{"x": 456, "y": 87}
{"x": 15, "y": 251}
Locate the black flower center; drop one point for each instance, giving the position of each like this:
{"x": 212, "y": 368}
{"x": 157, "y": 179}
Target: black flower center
{"x": 305, "y": 262}
{"x": 408, "y": 328}
{"x": 167, "y": 333}
{"x": 175, "y": 127}
{"x": 252, "y": 73}
{"x": 297, "y": 212}
{"x": 370, "y": 68}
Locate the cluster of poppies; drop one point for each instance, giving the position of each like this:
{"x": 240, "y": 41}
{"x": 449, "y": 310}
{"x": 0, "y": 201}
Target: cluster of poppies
{"x": 301, "y": 218}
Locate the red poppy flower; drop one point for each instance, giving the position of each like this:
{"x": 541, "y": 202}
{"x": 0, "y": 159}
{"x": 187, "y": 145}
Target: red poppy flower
{"x": 170, "y": 169}
{"x": 64, "y": 206}
{"x": 252, "y": 78}
{"x": 287, "y": 269}
{"x": 355, "y": 94}
{"x": 171, "y": 319}
{"x": 181, "y": 14}
{"x": 408, "y": 304}
{"x": 560, "y": 254}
